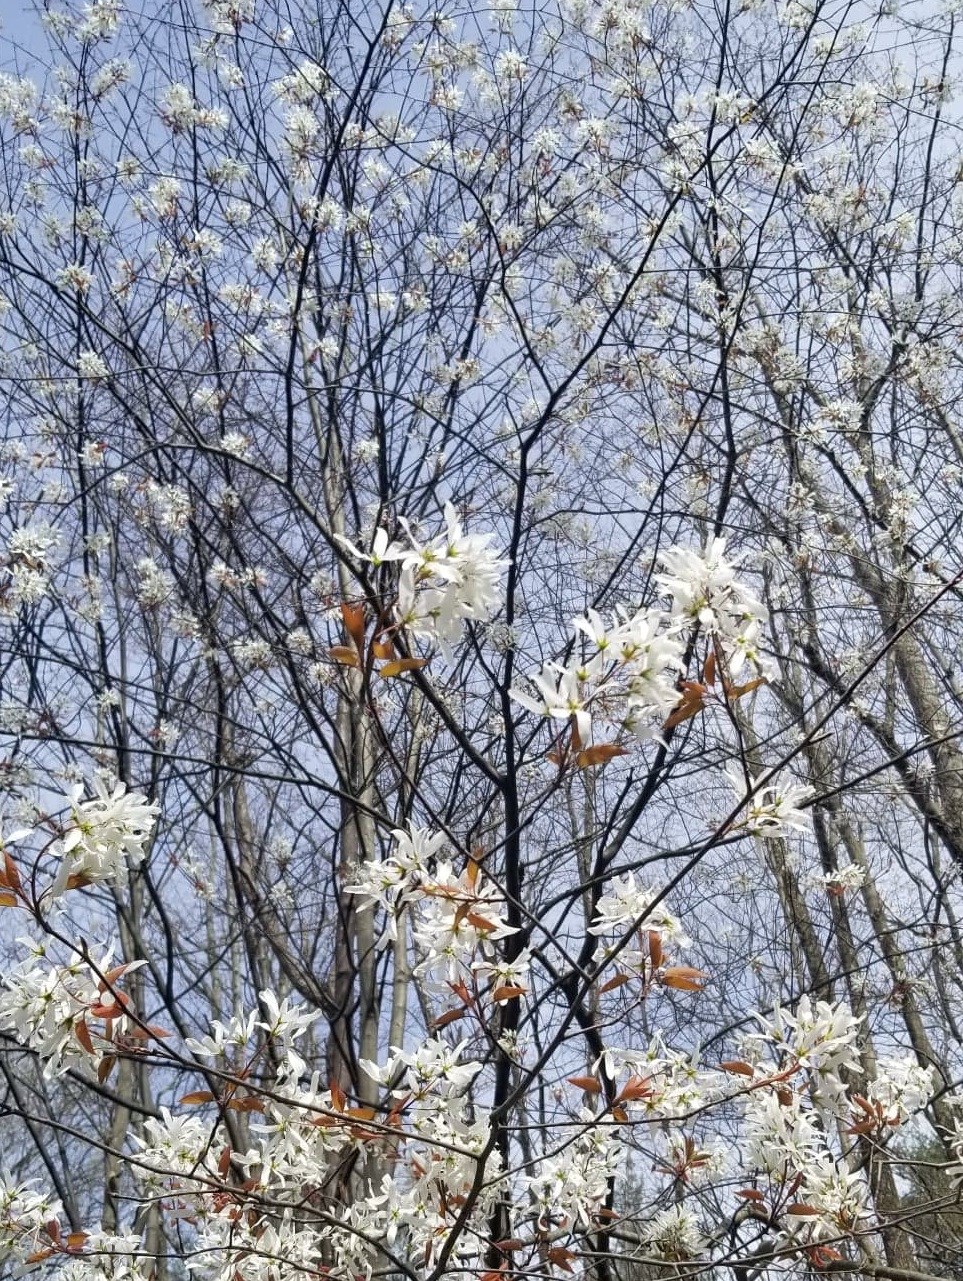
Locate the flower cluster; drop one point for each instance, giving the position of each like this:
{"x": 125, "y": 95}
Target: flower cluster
{"x": 771, "y": 806}
{"x": 626, "y": 903}
{"x": 675, "y": 1235}
{"x": 634, "y": 912}
{"x": 900, "y": 1090}
{"x": 631, "y": 672}
{"x": 434, "y": 1137}
{"x": 444, "y": 583}
{"x": 104, "y": 836}
{"x": 704, "y": 589}
{"x": 57, "y": 1009}
{"x": 24, "y": 1215}
{"x": 31, "y": 553}
{"x": 571, "y": 1186}
{"x": 817, "y": 1035}
{"x": 436, "y": 1174}
{"x": 455, "y": 916}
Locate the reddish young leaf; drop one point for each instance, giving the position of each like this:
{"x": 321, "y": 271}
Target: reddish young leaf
{"x": 690, "y": 704}
{"x": 353, "y": 616}
{"x": 586, "y": 1083}
{"x": 862, "y": 1127}
{"x": 737, "y": 1066}
{"x": 399, "y": 665}
{"x": 248, "y": 1104}
{"x": 460, "y": 989}
{"x": 737, "y": 691}
{"x": 472, "y": 870}
{"x": 684, "y": 978}
{"x": 617, "y": 980}
{"x": 449, "y": 1016}
{"x": 480, "y": 922}
{"x": 507, "y": 992}
{"x": 7, "y": 899}
{"x": 104, "y": 1011}
{"x": 636, "y": 1087}
{"x": 82, "y": 1032}
{"x": 709, "y": 669}
{"x": 561, "y": 1258}
{"x": 363, "y": 1113}
{"x": 345, "y": 655}
{"x": 11, "y": 876}
{"x": 199, "y": 1096}
{"x": 821, "y": 1256}
{"x": 600, "y": 754}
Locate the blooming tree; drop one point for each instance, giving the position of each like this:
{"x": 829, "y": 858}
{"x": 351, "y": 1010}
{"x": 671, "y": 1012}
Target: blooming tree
{"x": 480, "y": 589}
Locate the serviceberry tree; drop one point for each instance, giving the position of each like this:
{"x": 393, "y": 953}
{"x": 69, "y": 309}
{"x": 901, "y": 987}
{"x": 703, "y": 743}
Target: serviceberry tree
{"x": 482, "y": 789}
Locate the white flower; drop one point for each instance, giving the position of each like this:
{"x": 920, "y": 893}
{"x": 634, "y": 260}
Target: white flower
{"x": 779, "y": 1136}
{"x": 818, "y": 1036}
{"x": 448, "y": 581}
{"x": 91, "y": 366}
{"x": 367, "y": 451}
{"x": 849, "y": 877}
{"x": 33, "y": 545}
{"x": 631, "y": 678}
{"x": 112, "y": 74}
{"x": 625, "y": 903}
{"x": 180, "y": 112}
{"x": 704, "y": 589}
{"x": 837, "y": 1196}
{"x": 101, "y": 20}
{"x": 24, "y": 1215}
{"x": 503, "y": 973}
{"x": 416, "y": 847}
{"x": 901, "y": 1089}
{"x": 771, "y": 806}
{"x": 171, "y": 1145}
{"x": 75, "y": 277}
{"x": 45, "y": 1004}
{"x": 382, "y": 549}
{"x": 563, "y": 695}
{"x": 236, "y": 443}
{"x": 238, "y": 1033}
{"x": 105, "y": 834}
{"x": 442, "y": 583}
{"x": 164, "y": 195}
{"x": 154, "y": 585}
{"x": 434, "y": 1062}
{"x": 675, "y": 1235}
{"x": 285, "y": 1021}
